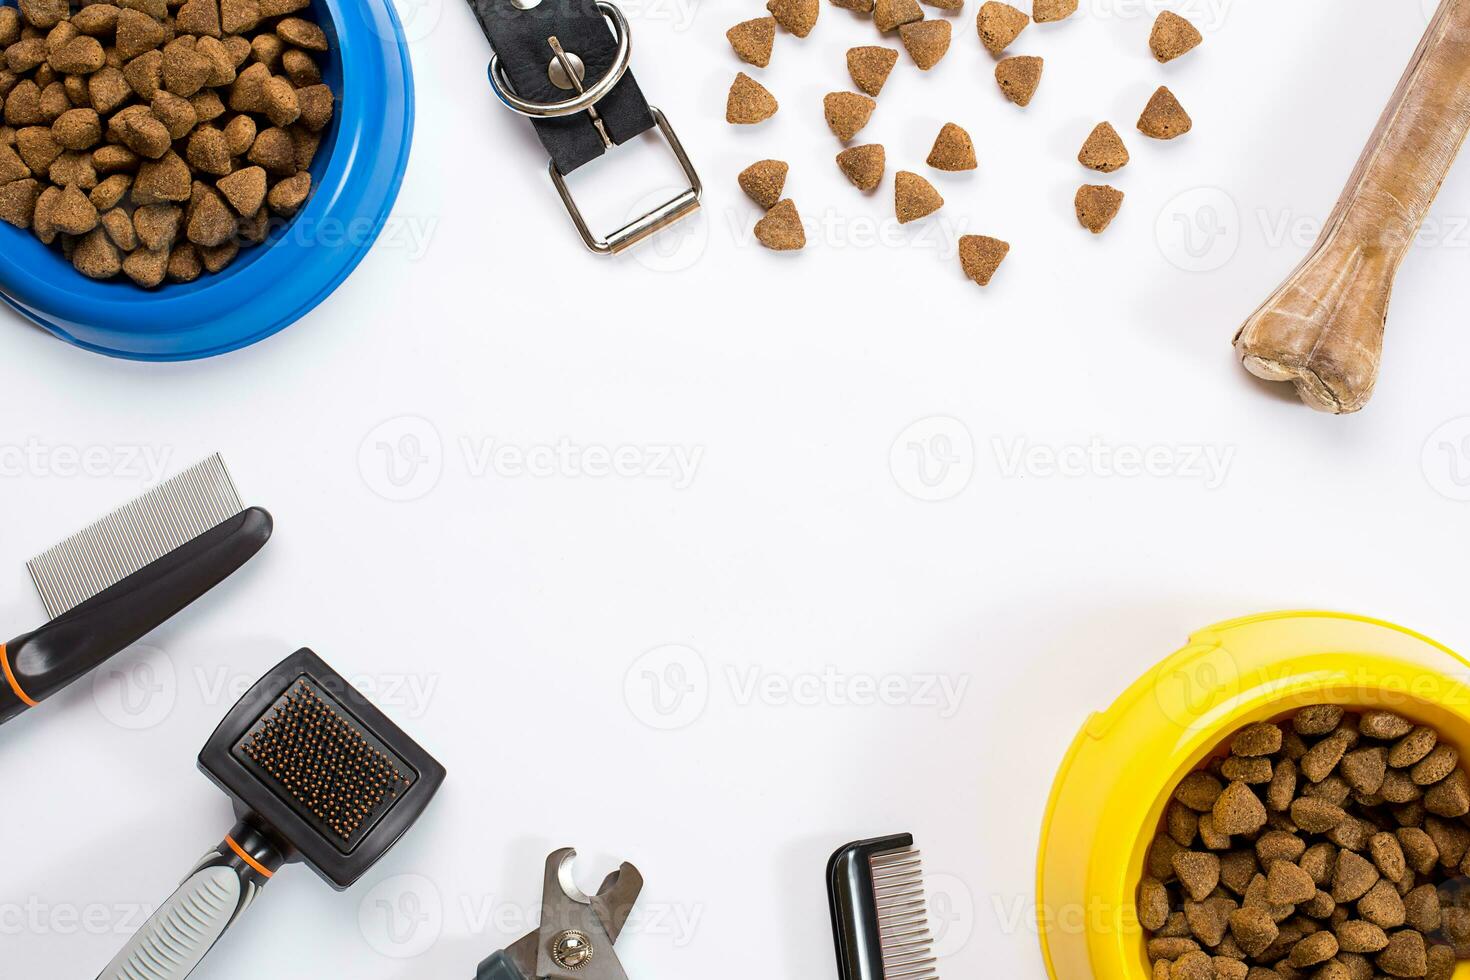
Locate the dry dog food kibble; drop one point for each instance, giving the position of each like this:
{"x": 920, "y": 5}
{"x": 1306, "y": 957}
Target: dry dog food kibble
{"x": 753, "y": 40}
{"x": 1104, "y": 150}
{"x": 914, "y": 197}
{"x": 999, "y": 25}
{"x": 927, "y": 41}
{"x": 1173, "y": 36}
{"x": 1050, "y": 11}
{"x": 890, "y": 15}
{"x": 764, "y": 181}
{"x": 1164, "y": 118}
{"x": 1097, "y": 206}
{"x": 870, "y": 67}
{"x": 139, "y": 129}
{"x": 953, "y": 150}
{"x": 796, "y": 16}
{"x": 863, "y": 165}
{"x": 847, "y": 113}
{"x": 1019, "y": 77}
{"x": 749, "y": 102}
{"x": 1331, "y": 861}
{"x": 781, "y": 228}
{"x": 981, "y": 256}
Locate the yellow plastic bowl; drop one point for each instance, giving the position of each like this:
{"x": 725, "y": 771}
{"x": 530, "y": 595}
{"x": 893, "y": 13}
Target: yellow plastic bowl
{"x": 1110, "y": 795}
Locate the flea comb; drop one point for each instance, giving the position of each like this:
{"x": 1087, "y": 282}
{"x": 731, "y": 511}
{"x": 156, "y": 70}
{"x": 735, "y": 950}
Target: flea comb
{"x": 880, "y": 917}
{"x": 109, "y": 585}
{"x": 317, "y": 774}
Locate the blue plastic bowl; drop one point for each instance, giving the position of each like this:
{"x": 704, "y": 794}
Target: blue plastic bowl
{"x": 355, "y": 179}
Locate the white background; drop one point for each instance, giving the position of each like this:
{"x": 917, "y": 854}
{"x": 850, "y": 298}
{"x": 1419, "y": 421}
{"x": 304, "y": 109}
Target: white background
{"x": 506, "y": 619}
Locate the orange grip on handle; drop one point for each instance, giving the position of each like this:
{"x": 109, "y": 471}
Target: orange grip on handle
{"x": 10, "y": 679}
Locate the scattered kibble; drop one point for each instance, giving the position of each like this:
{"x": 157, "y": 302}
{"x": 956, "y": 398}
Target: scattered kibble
{"x": 763, "y": 181}
{"x": 1050, "y": 11}
{"x": 1097, "y": 206}
{"x": 890, "y": 15}
{"x": 749, "y": 102}
{"x": 863, "y": 165}
{"x": 118, "y": 145}
{"x": 847, "y": 113}
{"x": 1019, "y": 77}
{"x": 753, "y": 40}
{"x": 781, "y": 229}
{"x": 953, "y": 150}
{"x": 870, "y": 67}
{"x": 796, "y": 16}
{"x": 1104, "y": 150}
{"x": 980, "y": 257}
{"x": 1164, "y": 118}
{"x": 1330, "y": 879}
{"x": 927, "y": 41}
{"x": 999, "y": 25}
{"x": 914, "y": 197}
{"x": 1173, "y": 36}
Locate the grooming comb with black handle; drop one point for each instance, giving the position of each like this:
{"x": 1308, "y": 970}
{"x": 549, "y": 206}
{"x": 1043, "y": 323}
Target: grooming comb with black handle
{"x": 317, "y": 774}
{"x": 108, "y": 586}
{"x": 880, "y": 917}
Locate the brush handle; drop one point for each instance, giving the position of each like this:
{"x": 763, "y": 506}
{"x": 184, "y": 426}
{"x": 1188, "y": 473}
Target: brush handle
{"x": 186, "y": 927}
{"x": 39, "y": 664}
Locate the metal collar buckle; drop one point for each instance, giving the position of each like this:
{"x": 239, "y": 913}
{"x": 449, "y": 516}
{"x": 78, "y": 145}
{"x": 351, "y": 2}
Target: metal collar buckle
{"x": 571, "y": 72}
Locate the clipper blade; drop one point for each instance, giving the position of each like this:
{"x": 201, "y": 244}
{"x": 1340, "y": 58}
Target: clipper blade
{"x": 135, "y": 535}
{"x": 880, "y": 915}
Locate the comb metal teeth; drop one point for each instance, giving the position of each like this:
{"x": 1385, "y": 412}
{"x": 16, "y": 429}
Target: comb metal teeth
{"x": 135, "y": 535}
{"x": 903, "y": 916}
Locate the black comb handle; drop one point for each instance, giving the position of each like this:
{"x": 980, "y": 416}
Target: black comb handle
{"x": 855, "y": 924}
{"x": 187, "y": 926}
{"x": 39, "y": 664}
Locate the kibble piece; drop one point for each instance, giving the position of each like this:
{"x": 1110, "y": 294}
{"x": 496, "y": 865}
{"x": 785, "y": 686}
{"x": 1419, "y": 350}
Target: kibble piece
{"x": 274, "y": 151}
{"x": 1438, "y": 764}
{"x": 796, "y": 16}
{"x": 303, "y": 72}
{"x": 1173, "y": 36}
{"x": 1323, "y": 757}
{"x": 763, "y": 181}
{"x": 280, "y": 101}
{"x": 209, "y": 222}
{"x": 287, "y": 196}
{"x": 119, "y": 228}
{"x": 247, "y": 94}
{"x": 1450, "y": 797}
{"x": 44, "y": 14}
{"x": 863, "y": 165}
{"x": 114, "y": 159}
{"x": 980, "y": 257}
{"x": 1383, "y": 906}
{"x": 1238, "y": 811}
{"x": 267, "y": 50}
{"x": 305, "y": 35}
{"x": 1317, "y": 948}
{"x": 107, "y": 90}
{"x": 1097, "y": 206}
{"x": 145, "y": 267}
{"x": 1413, "y": 747}
{"x": 1105, "y": 152}
{"x": 890, "y": 15}
{"x": 145, "y": 74}
{"x": 254, "y": 229}
{"x": 1440, "y": 963}
{"x": 199, "y": 17}
{"x": 1358, "y": 936}
{"x": 77, "y": 129}
{"x": 1421, "y": 909}
{"x": 1182, "y": 822}
{"x": 96, "y": 19}
{"x": 1164, "y": 118}
{"x": 9, "y": 26}
{"x": 221, "y": 62}
{"x": 240, "y": 133}
{"x": 12, "y": 167}
{"x": 748, "y": 102}
{"x": 1288, "y": 884}
{"x": 42, "y": 223}
{"x": 1153, "y": 904}
{"x": 207, "y": 106}
{"x": 280, "y": 8}
{"x": 74, "y": 214}
{"x": 184, "y": 263}
{"x": 79, "y": 56}
{"x": 1019, "y": 78}
{"x": 999, "y": 25}
{"x": 1399, "y": 788}
{"x": 96, "y": 257}
{"x": 915, "y": 198}
{"x": 73, "y": 169}
{"x": 753, "y": 40}
{"x": 244, "y": 190}
{"x": 1384, "y": 724}
{"x": 37, "y": 147}
{"x": 1353, "y": 876}
{"x": 1450, "y": 838}
{"x": 304, "y": 144}
{"x": 158, "y": 225}
{"x": 1212, "y": 838}
{"x": 1364, "y": 769}
{"x": 23, "y": 57}
{"x": 870, "y": 66}
{"x": 185, "y": 70}
{"x": 1195, "y": 965}
{"x": 1405, "y": 955}
{"x": 146, "y": 136}
{"x": 1420, "y": 852}
{"x": 109, "y": 192}
{"x": 847, "y": 113}
{"x": 927, "y": 41}
{"x": 137, "y": 33}
{"x": 162, "y": 180}
{"x": 1254, "y": 929}
{"x": 216, "y": 258}
{"x": 176, "y": 113}
{"x": 1050, "y": 11}
{"x": 1209, "y": 920}
{"x": 859, "y": 6}
{"x": 53, "y": 101}
{"x": 1199, "y": 791}
{"x": 781, "y": 229}
{"x": 23, "y": 105}
{"x": 953, "y": 150}
{"x": 18, "y": 201}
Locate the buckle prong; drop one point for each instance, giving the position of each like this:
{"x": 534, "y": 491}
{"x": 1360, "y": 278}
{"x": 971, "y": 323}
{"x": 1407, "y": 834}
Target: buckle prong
{"x": 576, "y": 83}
